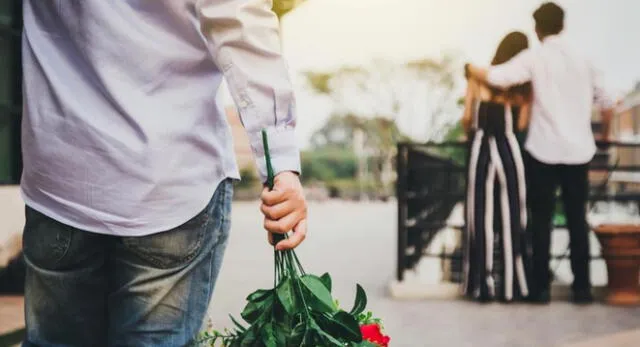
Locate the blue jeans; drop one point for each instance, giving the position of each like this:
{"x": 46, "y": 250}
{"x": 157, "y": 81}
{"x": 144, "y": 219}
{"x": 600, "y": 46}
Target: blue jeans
{"x": 87, "y": 289}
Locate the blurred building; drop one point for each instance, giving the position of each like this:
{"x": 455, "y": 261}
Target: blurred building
{"x": 602, "y": 157}
{"x": 626, "y": 129}
{"x": 626, "y": 125}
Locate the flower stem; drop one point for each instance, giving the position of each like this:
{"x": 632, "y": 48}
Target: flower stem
{"x": 298, "y": 263}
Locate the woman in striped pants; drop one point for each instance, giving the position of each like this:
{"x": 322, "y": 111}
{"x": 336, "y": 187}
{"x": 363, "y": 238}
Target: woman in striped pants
{"x": 496, "y": 250}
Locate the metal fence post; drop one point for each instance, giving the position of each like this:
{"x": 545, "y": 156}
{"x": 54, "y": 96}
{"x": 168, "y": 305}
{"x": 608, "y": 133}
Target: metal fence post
{"x": 401, "y": 196}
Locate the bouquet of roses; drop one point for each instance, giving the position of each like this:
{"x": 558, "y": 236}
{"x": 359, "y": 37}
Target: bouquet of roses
{"x": 299, "y": 310}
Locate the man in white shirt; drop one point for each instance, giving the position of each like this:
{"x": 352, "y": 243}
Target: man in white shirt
{"x": 128, "y": 161}
{"x": 560, "y": 142}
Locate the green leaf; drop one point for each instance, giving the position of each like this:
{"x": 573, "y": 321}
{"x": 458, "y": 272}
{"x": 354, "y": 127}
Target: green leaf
{"x": 320, "y": 299}
{"x": 235, "y": 322}
{"x": 259, "y": 295}
{"x": 268, "y": 335}
{"x": 360, "y": 302}
{"x": 327, "y": 339}
{"x": 248, "y": 339}
{"x": 345, "y": 325}
{"x": 368, "y": 318}
{"x": 281, "y": 332}
{"x": 364, "y": 343}
{"x": 287, "y": 296}
{"x": 253, "y": 311}
{"x": 297, "y": 334}
{"x": 279, "y": 314}
{"x": 326, "y": 280}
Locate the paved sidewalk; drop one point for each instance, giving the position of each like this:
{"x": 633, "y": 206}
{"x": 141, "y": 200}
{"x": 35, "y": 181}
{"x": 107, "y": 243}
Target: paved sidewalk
{"x": 356, "y": 243}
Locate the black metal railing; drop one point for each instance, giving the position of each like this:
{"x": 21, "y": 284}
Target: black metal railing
{"x": 432, "y": 181}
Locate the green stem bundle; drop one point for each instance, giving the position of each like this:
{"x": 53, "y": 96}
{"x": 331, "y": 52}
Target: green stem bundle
{"x": 298, "y": 311}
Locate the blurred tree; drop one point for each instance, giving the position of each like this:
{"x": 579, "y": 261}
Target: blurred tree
{"x": 420, "y": 91}
{"x": 457, "y": 152}
{"x": 440, "y": 78}
{"x": 374, "y": 99}
{"x": 328, "y": 164}
{"x": 375, "y": 150}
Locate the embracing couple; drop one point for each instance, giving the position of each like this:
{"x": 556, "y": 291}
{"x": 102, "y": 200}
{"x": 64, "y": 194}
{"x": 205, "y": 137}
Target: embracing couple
{"x": 549, "y": 92}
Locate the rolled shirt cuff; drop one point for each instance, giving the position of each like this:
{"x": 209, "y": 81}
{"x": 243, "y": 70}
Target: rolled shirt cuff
{"x": 283, "y": 147}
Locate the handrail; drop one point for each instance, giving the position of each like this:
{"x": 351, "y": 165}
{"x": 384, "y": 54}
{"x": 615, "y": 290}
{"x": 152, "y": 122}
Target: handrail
{"x": 440, "y": 182}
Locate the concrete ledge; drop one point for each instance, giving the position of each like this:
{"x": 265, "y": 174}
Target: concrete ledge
{"x": 421, "y": 291}
{"x": 414, "y": 290}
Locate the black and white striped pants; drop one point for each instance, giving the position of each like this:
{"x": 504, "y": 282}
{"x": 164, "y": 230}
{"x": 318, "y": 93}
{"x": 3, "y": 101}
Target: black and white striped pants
{"x": 496, "y": 250}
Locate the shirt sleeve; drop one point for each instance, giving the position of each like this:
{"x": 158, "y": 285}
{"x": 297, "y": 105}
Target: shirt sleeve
{"x": 514, "y": 72}
{"x": 243, "y": 38}
{"x": 600, "y": 95}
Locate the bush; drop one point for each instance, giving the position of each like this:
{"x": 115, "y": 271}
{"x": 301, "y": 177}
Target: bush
{"x": 328, "y": 164}
{"x": 352, "y": 189}
{"x": 249, "y": 178}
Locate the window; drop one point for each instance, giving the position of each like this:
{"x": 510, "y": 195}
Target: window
{"x": 10, "y": 90}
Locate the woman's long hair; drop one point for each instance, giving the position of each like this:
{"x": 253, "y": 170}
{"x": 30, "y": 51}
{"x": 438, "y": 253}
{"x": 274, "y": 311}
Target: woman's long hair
{"x": 510, "y": 46}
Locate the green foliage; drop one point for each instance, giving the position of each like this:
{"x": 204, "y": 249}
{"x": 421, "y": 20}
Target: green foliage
{"x": 249, "y": 178}
{"x": 298, "y": 311}
{"x": 367, "y": 101}
{"x": 360, "y": 302}
{"x": 328, "y": 164}
{"x": 458, "y": 153}
{"x": 352, "y": 189}
{"x": 559, "y": 217}
{"x": 319, "y": 81}
{"x": 333, "y": 157}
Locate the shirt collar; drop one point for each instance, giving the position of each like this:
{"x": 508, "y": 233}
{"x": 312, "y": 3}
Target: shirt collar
{"x": 551, "y": 39}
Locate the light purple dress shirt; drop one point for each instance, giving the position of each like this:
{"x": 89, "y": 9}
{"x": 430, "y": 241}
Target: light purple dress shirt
{"x": 122, "y": 132}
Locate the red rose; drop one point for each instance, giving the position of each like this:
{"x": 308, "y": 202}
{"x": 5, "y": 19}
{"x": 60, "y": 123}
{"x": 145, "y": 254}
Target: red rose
{"x": 372, "y": 333}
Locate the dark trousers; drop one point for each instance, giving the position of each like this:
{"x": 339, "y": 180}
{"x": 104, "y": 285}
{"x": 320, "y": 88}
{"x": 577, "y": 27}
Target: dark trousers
{"x": 543, "y": 181}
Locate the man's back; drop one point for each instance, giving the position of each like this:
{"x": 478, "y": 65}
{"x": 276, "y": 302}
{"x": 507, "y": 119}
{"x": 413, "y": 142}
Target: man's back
{"x": 560, "y": 130}
{"x": 122, "y": 133}
{"x": 565, "y": 87}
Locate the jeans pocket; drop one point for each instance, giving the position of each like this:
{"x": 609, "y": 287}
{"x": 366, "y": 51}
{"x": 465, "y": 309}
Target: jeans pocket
{"x": 45, "y": 241}
{"x": 178, "y": 246}
{"x": 171, "y": 248}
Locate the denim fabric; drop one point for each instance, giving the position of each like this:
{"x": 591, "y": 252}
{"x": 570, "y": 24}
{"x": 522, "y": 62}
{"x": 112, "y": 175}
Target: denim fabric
{"x": 87, "y": 289}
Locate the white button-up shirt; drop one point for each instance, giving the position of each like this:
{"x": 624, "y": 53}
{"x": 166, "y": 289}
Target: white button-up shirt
{"x": 565, "y": 87}
{"x": 122, "y": 133}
